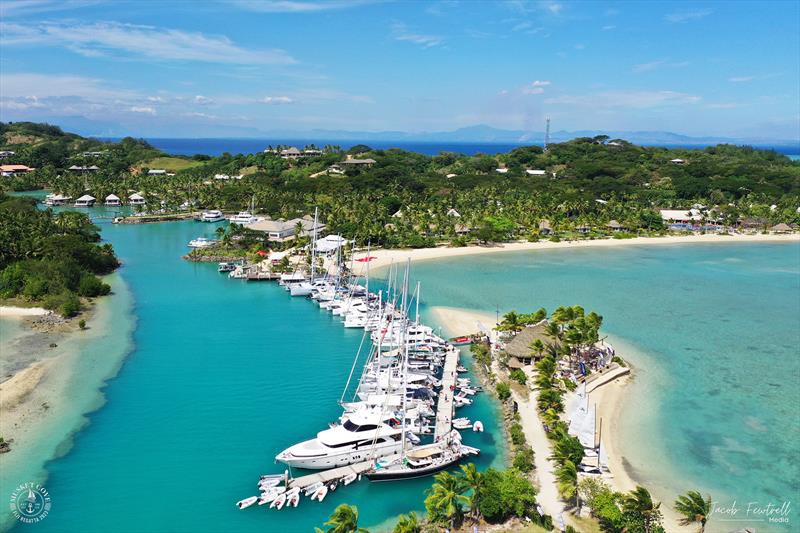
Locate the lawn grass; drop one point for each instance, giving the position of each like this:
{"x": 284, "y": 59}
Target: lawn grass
{"x": 173, "y": 164}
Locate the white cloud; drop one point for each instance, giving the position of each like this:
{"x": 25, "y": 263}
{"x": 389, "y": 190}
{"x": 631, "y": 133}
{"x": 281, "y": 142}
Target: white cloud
{"x": 522, "y": 26}
{"x": 553, "y": 7}
{"x": 111, "y": 38}
{"x": 661, "y": 63}
{"x": 277, "y": 100}
{"x": 156, "y": 99}
{"x": 740, "y": 79}
{"x": 687, "y": 16}
{"x": 401, "y": 33}
{"x": 147, "y": 110}
{"x": 536, "y": 87}
{"x": 27, "y": 7}
{"x": 297, "y": 6}
{"x": 608, "y": 27}
{"x": 626, "y": 99}
{"x": 57, "y": 85}
{"x": 202, "y": 100}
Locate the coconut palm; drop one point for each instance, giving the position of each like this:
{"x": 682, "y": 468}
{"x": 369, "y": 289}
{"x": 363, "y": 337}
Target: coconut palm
{"x": 639, "y": 503}
{"x": 344, "y": 519}
{"x": 694, "y": 509}
{"x": 475, "y": 483}
{"x": 445, "y": 498}
{"x": 407, "y": 523}
{"x": 511, "y": 322}
{"x": 567, "y": 480}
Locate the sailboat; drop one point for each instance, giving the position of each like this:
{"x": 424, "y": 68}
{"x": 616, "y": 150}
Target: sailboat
{"x": 305, "y": 287}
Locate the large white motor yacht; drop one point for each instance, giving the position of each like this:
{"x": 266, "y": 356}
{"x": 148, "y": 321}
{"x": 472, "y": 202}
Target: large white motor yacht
{"x": 212, "y": 216}
{"x": 362, "y": 437}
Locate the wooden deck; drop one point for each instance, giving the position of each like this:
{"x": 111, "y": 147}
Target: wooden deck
{"x": 329, "y": 475}
{"x": 444, "y": 408}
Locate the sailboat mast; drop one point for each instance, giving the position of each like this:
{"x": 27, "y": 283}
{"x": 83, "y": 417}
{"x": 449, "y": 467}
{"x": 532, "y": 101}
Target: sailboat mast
{"x": 417, "y": 319}
{"x": 314, "y": 246}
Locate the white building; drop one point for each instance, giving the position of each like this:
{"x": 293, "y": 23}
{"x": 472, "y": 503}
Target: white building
{"x": 112, "y": 200}
{"x": 85, "y": 201}
{"x": 136, "y": 199}
{"x": 535, "y": 172}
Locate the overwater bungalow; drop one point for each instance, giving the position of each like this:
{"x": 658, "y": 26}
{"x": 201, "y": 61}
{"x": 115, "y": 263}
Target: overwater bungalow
{"x": 85, "y": 201}
{"x": 112, "y": 200}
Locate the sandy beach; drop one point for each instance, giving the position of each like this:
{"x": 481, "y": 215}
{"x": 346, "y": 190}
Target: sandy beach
{"x": 7, "y": 311}
{"x": 385, "y": 257}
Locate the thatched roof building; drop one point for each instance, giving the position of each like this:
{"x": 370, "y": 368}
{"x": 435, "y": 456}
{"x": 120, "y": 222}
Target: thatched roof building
{"x": 519, "y": 347}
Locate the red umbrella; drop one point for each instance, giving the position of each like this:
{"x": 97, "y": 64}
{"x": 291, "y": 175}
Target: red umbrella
{"x": 366, "y": 259}
{"x": 262, "y": 253}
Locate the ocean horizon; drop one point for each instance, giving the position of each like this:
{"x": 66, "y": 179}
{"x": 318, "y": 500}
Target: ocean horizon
{"x": 218, "y": 146}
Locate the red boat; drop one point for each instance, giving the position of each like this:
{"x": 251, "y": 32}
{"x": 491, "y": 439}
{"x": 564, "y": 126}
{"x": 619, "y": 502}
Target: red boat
{"x": 461, "y": 341}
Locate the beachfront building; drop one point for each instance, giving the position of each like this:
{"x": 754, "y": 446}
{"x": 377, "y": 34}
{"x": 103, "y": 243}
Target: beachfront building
{"x": 544, "y": 227}
{"x": 519, "y": 348}
{"x": 615, "y": 226}
{"x": 136, "y": 199}
{"x": 112, "y": 200}
{"x": 283, "y": 230}
{"x": 583, "y": 229}
{"x": 330, "y": 245}
{"x": 462, "y": 229}
{"x": 781, "y": 228}
{"x": 679, "y": 219}
{"x": 85, "y": 201}
{"x": 14, "y": 170}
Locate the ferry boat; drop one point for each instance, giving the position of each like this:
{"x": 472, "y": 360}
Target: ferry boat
{"x": 226, "y": 267}
{"x": 211, "y": 216}
{"x": 243, "y": 217}
{"x": 201, "y": 242}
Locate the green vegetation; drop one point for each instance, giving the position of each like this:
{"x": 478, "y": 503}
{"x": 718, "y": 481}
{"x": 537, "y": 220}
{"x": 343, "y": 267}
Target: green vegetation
{"x": 53, "y": 259}
{"x": 503, "y": 391}
{"x": 633, "y": 512}
{"x": 694, "y": 509}
{"x": 344, "y": 519}
{"x": 406, "y": 199}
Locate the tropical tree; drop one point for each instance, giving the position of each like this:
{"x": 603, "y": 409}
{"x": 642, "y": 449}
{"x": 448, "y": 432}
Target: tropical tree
{"x": 445, "y": 499}
{"x": 407, "y": 523}
{"x": 567, "y": 480}
{"x": 639, "y": 505}
{"x": 511, "y": 322}
{"x": 475, "y": 484}
{"x": 693, "y": 509}
{"x": 344, "y": 519}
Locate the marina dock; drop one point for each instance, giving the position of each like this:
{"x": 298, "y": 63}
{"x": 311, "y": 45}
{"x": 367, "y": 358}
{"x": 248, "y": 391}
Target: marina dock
{"x": 444, "y": 408}
{"x": 326, "y": 476}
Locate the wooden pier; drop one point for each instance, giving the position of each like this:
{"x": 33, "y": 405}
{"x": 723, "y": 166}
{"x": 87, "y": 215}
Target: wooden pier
{"x": 444, "y": 408}
{"x": 326, "y": 476}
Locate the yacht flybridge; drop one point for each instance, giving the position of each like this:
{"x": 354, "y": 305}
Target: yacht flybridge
{"x": 211, "y": 216}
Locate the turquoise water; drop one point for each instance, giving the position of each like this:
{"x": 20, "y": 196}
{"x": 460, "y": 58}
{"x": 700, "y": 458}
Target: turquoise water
{"x": 714, "y": 334}
{"x": 222, "y": 376}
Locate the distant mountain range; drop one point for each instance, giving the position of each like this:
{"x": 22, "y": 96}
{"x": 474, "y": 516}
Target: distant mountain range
{"x": 471, "y": 134}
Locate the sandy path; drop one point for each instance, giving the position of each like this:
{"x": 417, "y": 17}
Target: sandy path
{"x": 7, "y": 311}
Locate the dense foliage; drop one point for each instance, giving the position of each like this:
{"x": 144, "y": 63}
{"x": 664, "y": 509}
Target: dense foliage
{"x": 407, "y": 199}
{"x": 50, "y": 258}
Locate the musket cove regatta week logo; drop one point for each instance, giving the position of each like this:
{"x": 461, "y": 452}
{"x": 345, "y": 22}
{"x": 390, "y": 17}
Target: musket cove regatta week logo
{"x": 30, "y": 503}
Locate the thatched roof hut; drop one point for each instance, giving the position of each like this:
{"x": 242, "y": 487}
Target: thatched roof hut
{"x": 519, "y": 347}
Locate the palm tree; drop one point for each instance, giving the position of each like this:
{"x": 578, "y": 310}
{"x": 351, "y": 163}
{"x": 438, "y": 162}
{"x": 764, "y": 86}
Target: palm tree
{"x": 511, "y": 322}
{"x": 694, "y": 509}
{"x": 407, "y": 523}
{"x": 445, "y": 498}
{"x": 639, "y": 503}
{"x": 344, "y": 519}
{"x": 567, "y": 480}
{"x": 474, "y": 482}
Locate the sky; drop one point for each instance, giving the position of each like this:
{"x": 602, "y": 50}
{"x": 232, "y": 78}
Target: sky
{"x": 215, "y": 68}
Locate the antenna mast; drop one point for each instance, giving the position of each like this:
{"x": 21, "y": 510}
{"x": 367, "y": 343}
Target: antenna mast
{"x": 547, "y": 134}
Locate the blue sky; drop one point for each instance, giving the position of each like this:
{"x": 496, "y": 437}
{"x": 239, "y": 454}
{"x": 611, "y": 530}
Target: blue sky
{"x": 239, "y": 67}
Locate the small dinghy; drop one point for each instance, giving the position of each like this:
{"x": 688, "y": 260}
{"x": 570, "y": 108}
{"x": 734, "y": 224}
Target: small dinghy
{"x": 293, "y": 500}
{"x": 311, "y": 489}
{"x": 462, "y": 424}
{"x": 247, "y": 502}
{"x": 278, "y": 502}
{"x": 468, "y": 391}
{"x": 477, "y": 426}
{"x": 332, "y": 485}
{"x": 461, "y": 369}
{"x": 320, "y": 493}
{"x": 349, "y": 478}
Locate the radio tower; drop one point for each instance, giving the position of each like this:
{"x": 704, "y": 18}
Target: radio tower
{"x": 547, "y": 134}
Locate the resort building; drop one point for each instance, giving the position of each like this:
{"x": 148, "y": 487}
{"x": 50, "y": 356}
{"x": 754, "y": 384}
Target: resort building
{"x": 451, "y": 175}
{"x": 519, "y": 348}
{"x": 156, "y": 172}
{"x": 5, "y": 154}
{"x": 781, "y": 228}
{"x": 92, "y": 154}
{"x": 584, "y": 229}
{"x": 14, "y": 170}
{"x": 352, "y": 162}
{"x": 76, "y": 168}
{"x": 615, "y": 226}
{"x": 291, "y": 153}
{"x": 330, "y": 244}
{"x": 282, "y": 230}
{"x": 136, "y": 199}
{"x": 501, "y": 170}
{"x": 85, "y": 201}
{"x": 678, "y": 161}
{"x": 544, "y": 227}
{"x": 226, "y": 177}
{"x": 453, "y": 213}
{"x": 112, "y": 200}
{"x": 534, "y": 172}
{"x": 462, "y": 229}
